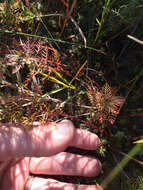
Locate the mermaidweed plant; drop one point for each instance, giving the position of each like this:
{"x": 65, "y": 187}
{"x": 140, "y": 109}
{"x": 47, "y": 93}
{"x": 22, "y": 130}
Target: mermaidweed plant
{"x": 33, "y": 54}
{"x": 106, "y": 104}
{"x": 42, "y": 63}
{"x": 27, "y": 102}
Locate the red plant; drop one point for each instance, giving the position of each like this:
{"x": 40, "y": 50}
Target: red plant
{"x": 35, "y": 55}
{"x": 105, "y": 104}
{"x": 30, "y": 57}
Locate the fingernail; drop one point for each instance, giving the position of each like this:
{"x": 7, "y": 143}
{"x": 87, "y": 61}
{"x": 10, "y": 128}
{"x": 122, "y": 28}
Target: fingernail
{"x": 64, "y": 127}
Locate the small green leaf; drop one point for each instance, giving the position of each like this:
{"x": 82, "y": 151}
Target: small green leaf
{"x": 22, "y": 6}
{"x": 139, "y": 141}
{"x": 99, "y": 23}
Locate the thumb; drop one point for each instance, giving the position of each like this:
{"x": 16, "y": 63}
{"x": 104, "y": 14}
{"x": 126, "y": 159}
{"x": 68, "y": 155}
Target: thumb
{"x": 40, "y": 141}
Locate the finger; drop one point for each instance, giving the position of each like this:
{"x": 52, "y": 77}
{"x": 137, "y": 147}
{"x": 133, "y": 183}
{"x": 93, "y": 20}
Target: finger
{"x": 51, "y": 184}
{"x": 66, "y": 164}
{"x": 40, "y": 140}
{"x": 15, "y": 174}
{"x": 85, "y": 140}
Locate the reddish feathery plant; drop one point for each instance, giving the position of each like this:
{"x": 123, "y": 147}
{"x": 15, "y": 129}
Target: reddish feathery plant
{"x": 105, "y": 104}
{"x": 34, "y": 54}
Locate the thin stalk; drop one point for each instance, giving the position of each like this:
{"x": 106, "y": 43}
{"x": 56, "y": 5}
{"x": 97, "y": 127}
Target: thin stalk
{"x": 49, "y": 33}
{"x": 57, "y": 81}
{"x": 78, "y": 72}
{"x": 121, "y": 165}
{"x": 100, "y": 23}
{"x": 52, "y": 39}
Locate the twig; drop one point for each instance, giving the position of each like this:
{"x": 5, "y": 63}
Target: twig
{"x": 5, "y": 83}
{"x": 79, "y": 29}
{"x": 135, "y": 39}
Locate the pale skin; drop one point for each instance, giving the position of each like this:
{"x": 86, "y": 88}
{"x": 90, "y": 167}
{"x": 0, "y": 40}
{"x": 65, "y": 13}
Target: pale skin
{"x": 40, "y": 150}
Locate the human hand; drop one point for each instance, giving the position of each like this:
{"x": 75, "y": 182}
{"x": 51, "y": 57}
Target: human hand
{"x": 40, "y": 151}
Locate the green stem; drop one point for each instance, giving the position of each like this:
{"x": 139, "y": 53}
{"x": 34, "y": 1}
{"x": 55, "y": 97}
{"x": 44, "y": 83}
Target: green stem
{"x": 51, "y": 39}
{"x": 102, "y": 19}
{"x": 121, "y": 165}
{"x": 49, "y": 33}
